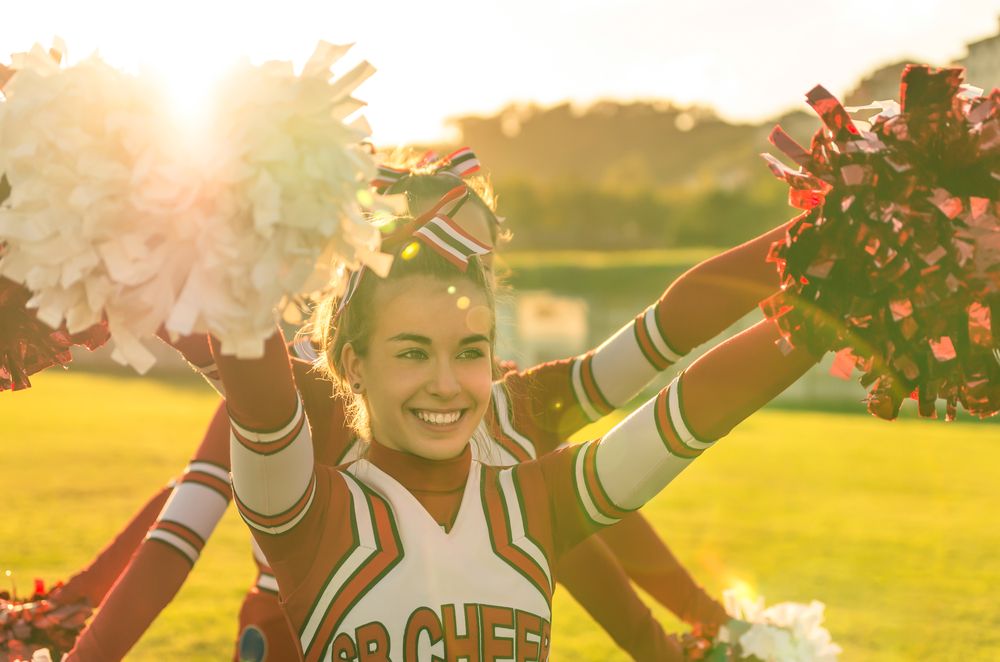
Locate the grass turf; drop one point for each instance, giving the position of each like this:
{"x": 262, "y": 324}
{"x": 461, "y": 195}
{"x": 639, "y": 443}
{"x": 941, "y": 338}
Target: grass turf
{"x": 894, "y": 526}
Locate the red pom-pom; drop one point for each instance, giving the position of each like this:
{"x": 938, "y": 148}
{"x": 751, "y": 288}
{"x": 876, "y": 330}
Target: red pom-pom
{"x": 27, "y": 345}
{"x": 35, "y": 623}
{"x": 896, "y": 259}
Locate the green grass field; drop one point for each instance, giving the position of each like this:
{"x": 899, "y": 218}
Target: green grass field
{"x": 894, "y": 525}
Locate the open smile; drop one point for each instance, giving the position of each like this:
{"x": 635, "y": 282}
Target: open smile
{"x": 439, "y": 419}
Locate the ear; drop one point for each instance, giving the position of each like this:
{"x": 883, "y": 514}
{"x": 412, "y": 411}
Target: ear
{"x": 353, "y": 365}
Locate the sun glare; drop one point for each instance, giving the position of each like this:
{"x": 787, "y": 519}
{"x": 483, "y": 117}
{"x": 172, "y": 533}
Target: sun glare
{"x": 743, "y": 589}
{"x": 188, "y": 84}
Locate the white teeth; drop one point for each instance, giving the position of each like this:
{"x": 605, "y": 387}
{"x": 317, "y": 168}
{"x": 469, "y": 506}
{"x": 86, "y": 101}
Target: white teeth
{"x": 438, "y": 418}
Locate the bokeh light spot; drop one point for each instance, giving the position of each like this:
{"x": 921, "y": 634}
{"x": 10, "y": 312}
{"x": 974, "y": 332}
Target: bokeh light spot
{"x": 411, "y": 250}
{"x": 463, "y": 302}
{"x": 479, "y": 319}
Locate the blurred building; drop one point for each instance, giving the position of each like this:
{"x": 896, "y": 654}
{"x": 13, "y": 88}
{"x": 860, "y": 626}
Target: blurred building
{"x": 981, "y": 62}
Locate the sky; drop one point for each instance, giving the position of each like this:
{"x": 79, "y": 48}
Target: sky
{"x": 749, "y": 60}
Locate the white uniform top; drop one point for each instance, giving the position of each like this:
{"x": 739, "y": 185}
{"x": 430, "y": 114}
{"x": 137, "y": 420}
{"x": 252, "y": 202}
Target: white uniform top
{"x": 443, "y": 585}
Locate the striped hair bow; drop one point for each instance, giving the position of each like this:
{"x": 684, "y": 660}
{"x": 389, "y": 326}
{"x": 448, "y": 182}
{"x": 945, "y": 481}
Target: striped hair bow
{"x": 460, "y": 163}
{"x": 436, "y": 230}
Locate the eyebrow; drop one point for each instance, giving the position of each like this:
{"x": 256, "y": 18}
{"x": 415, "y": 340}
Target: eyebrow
{"x": 424, "y": 340}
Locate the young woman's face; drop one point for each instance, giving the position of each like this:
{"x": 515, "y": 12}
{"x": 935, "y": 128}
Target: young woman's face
{"x": 427, "y": 376}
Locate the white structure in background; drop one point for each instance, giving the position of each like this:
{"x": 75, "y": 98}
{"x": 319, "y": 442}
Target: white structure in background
{"x": 550, "y": 327}
{"x": 982, "y": 63}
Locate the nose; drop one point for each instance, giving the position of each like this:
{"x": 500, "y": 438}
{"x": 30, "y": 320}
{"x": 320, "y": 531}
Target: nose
{"x": 444, "y": 382}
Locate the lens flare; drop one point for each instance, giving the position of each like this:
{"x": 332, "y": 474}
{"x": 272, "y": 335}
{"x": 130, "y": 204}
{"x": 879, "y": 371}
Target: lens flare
{"x": 411, "y": 250}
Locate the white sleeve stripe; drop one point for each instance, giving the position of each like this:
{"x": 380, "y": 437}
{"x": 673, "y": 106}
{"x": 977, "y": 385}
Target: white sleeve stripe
{"x": 581, "y": 489}
{"x": 665, "y": 350}
{"x": 633, "y": 464}
{"x": 677, "y": 418}
{"x": 274, "y": 489}
{"x": 208, "y": 468}
{"x": 175, "y": 541}
{"x": 267, "y": 437}
{"x": 196, "y": 507}
{"x": 258, "y": 553}
{"x": 581, "y": 394}
{"x": 267, "y": 583}
{"x": 278, "y": 528}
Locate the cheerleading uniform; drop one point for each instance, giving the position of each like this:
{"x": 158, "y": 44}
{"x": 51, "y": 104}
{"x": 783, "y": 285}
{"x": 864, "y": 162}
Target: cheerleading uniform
{"x": 397, "y": 557}
{"x": 532, "y": 414}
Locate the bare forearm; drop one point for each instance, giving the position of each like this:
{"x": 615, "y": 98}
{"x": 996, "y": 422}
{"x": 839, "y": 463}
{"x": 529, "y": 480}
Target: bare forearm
{"x": 650, "y": 564}
{"x": 711, "y": 296}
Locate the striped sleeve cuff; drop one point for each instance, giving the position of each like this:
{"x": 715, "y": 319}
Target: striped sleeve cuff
{"x": 638, "y": 458}
{"x": 273, "y": 474}
{"x": 194, "y": 509}
{"x": 614, "y": 373}
{"x": 651, "y": 341}
{"x": 592, "y": 495}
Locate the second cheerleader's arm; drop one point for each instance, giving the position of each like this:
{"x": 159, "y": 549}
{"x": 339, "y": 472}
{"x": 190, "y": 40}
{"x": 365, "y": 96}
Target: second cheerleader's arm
{"x": 166, "y": 556}
{"x": 93, "y": 582}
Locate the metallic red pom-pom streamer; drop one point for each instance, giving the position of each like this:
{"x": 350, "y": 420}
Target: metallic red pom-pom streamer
{"x": 27, "y": 345}
{"x": 896, "y": 259}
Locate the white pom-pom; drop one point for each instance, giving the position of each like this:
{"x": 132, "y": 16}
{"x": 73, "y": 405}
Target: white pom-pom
{"x": 116, "y": 213}
{"x": 95, "y": 226}
{"x": 785, "y": 632}
{"x": 290, "y": 210}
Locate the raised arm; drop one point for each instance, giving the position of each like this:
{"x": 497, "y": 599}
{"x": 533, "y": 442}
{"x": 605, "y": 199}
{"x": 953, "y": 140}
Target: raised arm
{"x": 164, "y": 559}
{"x": 552, "y": 401}
{"x": 600, "y": 482}
{"x": 271, "y": 454}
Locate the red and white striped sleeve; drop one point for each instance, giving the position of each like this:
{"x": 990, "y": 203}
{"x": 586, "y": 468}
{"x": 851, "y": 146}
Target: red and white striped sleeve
{"x": 273, "y": 474}
{"x": 162, "y": 562}
{"x": 597, "y": 483}
{"x": 552, "y": 401}
{"x": 270, "y": 448}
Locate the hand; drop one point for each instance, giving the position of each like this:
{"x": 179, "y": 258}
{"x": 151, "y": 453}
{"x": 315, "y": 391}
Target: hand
{"x": 704, "y": 609}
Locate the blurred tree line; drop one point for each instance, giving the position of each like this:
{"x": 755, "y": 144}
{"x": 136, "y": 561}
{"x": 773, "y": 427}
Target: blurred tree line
{"x": 619, "y": 176}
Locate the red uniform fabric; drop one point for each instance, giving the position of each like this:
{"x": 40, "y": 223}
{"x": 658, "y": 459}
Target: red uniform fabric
{"x": 325, "y": 567}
